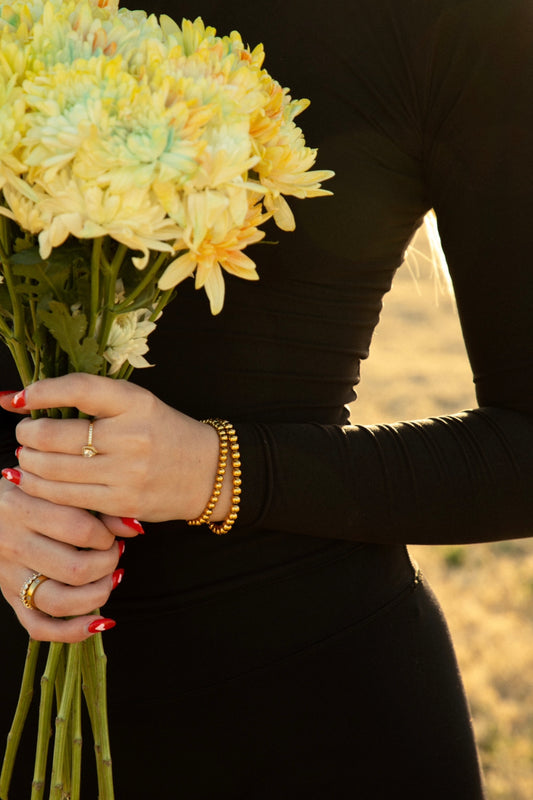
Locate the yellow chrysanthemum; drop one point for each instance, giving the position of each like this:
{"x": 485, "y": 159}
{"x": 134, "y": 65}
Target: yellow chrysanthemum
{"x": 218, "y": 249}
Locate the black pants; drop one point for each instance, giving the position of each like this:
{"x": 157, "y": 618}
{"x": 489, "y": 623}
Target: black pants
{"x": 338, "y": 681}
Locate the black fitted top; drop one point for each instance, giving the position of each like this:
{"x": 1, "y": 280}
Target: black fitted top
{"x": 415, "y": 104}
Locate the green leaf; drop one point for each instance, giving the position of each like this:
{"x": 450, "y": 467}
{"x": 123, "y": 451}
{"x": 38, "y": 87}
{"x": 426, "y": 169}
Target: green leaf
{"x": 69, "y": 331}
{"x": 23, "y": 243}
{"x": 55, "y": 274}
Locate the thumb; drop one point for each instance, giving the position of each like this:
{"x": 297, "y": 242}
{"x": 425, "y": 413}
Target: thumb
{"x": 92, "y": 394}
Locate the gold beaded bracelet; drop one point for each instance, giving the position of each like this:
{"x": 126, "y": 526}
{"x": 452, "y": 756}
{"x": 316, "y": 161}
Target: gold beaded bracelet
{"x": 228, "y": 443}
{"x": 227, "y": 524}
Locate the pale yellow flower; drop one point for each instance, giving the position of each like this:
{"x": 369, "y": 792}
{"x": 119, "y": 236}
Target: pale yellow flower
{"x": 127, "y": 340}
{"x": 12, "y": 110}
{"x": 134, "y": 218}
{"x": 22, "y": 209}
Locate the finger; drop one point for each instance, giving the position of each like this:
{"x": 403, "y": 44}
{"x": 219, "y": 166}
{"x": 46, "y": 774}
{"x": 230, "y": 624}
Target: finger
{"x": 72, "y": 526}
{"x": 43, "y": 628}
{"x": 90, "y": 394}
{"x": 61, "y": 435}
{"x": 105, "y": 499}
{"x": 61, "y": 562}
{"x": 62, "y": 468}
{"x": 122, "y": 526}
{"x": 60, "y": 600}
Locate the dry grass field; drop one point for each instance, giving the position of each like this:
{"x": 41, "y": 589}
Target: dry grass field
{"x": 418, "y": 368}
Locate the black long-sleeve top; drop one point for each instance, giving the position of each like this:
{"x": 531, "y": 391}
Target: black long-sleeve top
{"x": 415, "y": 104}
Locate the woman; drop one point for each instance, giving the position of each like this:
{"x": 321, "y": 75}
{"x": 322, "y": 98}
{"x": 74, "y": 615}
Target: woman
{"x": 301, "y": 654}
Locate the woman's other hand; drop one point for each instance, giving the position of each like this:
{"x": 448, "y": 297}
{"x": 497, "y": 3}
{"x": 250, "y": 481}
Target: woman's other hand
{"x": 38, "y": 537}
{"x": 152, "y": 463}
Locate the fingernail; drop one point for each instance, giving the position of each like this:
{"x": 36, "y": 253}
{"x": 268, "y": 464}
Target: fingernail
{"x": 121, "y": 547}
{"x": 117, "y": 577}
{"x": 19, "y": 401}
{"x": 7, "y": 391}
{"x": 12, "y": 475}
{"x": 132, "y": 523}
{"x": 100, "y": 625}
{"x": 17, "y": 451}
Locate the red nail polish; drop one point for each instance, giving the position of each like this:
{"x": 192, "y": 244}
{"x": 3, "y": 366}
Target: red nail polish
{"x": 132, "y": 523}
{"x": 17, "y": 451}
{"x": 121, "y": 547}
{"x": 100, "y": 625}
{"x": 7, "y": 391}
{"x": 12, "y": 475}
{"x": 19, "y": 401}
{"x": 117, "y": 577}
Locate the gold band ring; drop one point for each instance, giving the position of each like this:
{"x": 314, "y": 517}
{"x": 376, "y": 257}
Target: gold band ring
{"x": 30, "y": 587}
{"x": 89, "y": 450}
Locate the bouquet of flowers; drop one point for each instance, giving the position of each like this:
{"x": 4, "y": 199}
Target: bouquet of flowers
{"x": 134, "y": 153}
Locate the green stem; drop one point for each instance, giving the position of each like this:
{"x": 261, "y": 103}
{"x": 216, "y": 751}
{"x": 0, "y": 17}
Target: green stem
{"x": 21, "y": 712}
{"x": 124, "y": 372}
{"x": 94, "y": 676}
{"x": 148, "y": 278}
{"x": 162, "y": 301}
{"x": 118, "y": 259}
{"x": 45, "y": 720}
{"x": 5, "y": 330}
{"x": 36, "y": 342}
{"x": 75, "y": 787}
{"x": 59, "y": 768}
{"x": 60, "y": 677}
{"x": 88, "y": 671}
{"x": 19, "y": 327}
{"x": 95, "y": 283}
{"x": 4, "y": 238}
{"x": 105, "y": 790}
{"x": 108, "y": 308}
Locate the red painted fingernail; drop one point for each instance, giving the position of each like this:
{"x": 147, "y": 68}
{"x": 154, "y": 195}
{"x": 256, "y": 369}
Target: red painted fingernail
{"x": 117, "y": 577}
{"x": 17, "y": 451}
{"x": 19, "y": 401}
{"x": 12, "y": 475}
{"x": 121, "y": 547}
{"x": 7, "y": 391}
{"x": 132, "y": 523}
{"x": 100, "y": 625}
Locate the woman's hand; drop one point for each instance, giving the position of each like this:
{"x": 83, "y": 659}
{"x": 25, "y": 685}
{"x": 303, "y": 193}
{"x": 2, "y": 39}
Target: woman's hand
{"x": 153, "y": 463}
{"x": 39, "y": 537}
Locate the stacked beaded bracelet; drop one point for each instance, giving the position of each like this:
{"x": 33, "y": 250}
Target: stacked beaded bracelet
{"x": 228, "y": 444}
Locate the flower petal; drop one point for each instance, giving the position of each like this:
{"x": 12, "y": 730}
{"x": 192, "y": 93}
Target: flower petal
{"x": 177, "y": 271}
{"x": 214, "y": 287}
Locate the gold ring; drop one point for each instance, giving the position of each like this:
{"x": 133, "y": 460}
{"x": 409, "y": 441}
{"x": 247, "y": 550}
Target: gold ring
{"x": 30, "y": 587}
{"x": 89, "y": 450}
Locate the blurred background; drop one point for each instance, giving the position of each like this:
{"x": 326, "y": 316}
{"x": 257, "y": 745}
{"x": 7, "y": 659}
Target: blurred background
{"x": 418, "y": 368}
